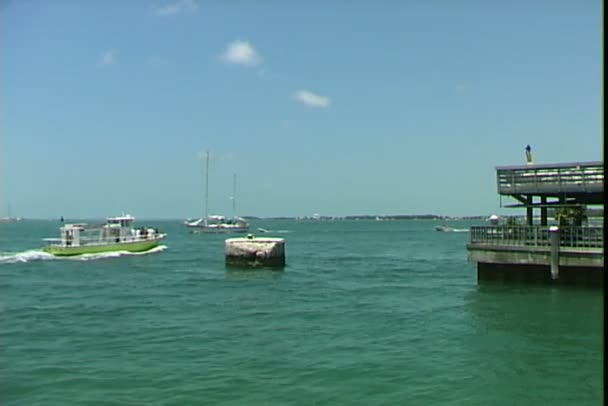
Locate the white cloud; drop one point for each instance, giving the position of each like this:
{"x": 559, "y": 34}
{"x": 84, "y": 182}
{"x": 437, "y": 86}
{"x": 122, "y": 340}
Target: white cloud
{"x": 312, "y": 100}
{"x": 241, "y": 53}
{"x": 107, "y": 58}
{"x": 175, "y": 8}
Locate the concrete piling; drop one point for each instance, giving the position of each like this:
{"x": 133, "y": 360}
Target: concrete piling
{"x": 255, "y": 252}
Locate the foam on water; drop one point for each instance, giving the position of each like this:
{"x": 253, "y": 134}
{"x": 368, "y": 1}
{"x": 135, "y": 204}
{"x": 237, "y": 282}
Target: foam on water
{"x": 115, "y": 254}
{"x": 25, "y": 256}
{"x": 38, "y": 255}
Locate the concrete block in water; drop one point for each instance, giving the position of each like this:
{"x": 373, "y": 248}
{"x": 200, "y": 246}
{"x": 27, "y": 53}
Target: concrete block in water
{"x": 254, "y": 252}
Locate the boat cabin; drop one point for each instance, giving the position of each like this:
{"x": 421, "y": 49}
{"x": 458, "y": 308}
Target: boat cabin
{"x": 118, "y": 229}
{"x": 70, "y": 234}
{"x": 121, "y": 221}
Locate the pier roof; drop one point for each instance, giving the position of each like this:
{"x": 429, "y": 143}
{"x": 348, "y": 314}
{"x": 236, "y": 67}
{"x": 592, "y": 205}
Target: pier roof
{"x": 583, "y": 182}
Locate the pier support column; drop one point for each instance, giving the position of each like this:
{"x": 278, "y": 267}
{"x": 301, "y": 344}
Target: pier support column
{"x": 529, "y": 210}
{"x": 554, "y": 238}
{"x": 543, "y": 211}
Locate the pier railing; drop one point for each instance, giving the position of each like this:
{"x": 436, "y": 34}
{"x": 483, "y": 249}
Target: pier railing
{"x": 537, "y": 236}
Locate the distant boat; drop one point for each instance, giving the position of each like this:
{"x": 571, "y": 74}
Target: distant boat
{"x": 8, "y": 218}
{"x": 117, "y": 234}
{"x": 444, "y": 228}
{"x": 216, "y": 223}
{"x": 263, "y": 230}
{"x": 447, "y": 229}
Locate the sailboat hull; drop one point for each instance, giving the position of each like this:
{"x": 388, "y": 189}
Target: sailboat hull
{"x": 217, "y": 228}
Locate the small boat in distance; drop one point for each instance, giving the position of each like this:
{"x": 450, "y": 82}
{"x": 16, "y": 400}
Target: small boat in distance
{"x": 8, "y": 218}
{"x": 116, "y": 234}
{"x": 215, "y": 223}
{"x": 447, "y": 229}
{"x": 218, "y": 224}
{"x": 443, "y": 228}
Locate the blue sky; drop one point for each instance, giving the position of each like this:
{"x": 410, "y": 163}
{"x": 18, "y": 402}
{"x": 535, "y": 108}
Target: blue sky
{"x": 336, "y": 108}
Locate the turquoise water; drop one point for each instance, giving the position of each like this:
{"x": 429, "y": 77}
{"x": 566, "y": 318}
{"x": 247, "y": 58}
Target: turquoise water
{"x": 364, "y": 313}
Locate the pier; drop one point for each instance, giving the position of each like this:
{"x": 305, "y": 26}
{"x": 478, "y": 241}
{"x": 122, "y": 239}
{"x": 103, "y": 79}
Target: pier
{"x": 568, "y": 251}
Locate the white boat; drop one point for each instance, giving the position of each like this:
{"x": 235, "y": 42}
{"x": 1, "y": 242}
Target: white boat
{"x": 116, "y": 234}
{"x": 447, "y": 229}
{"x": 8, "y": 218}
{"x": 217, "y": 223}
{"x": 444, "y": 229}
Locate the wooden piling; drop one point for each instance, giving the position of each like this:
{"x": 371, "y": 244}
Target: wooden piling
{"x": 554, "y": 238}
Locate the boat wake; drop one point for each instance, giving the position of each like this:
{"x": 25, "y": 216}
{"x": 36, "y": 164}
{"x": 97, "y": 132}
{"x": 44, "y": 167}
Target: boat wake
{"x": 25, "y": 256}
{"x": 38, "y": 255}
{"x": 113, "y": 254}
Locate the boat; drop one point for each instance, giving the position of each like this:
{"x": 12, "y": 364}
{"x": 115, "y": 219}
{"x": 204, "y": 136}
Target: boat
{"x": 8, "y": 218}
{"x": 218, "y": 223}
{"x": 116, "y": 234}
{"x": 443, "y": 228}
{"x": 447, "y": 229}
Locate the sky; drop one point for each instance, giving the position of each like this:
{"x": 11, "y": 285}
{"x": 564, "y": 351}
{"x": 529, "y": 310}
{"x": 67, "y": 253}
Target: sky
{"x": 314, "y": 107}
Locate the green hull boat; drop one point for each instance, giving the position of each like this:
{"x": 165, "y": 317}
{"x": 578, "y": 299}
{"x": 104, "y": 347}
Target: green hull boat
{"x": 117, "y": 234}
{"x": 137, "y": 246}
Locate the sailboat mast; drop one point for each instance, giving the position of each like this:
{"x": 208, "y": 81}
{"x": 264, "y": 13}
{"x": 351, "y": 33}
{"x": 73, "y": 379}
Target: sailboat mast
{"x": 206, "y": 186}
{"x": 234, "y": 195}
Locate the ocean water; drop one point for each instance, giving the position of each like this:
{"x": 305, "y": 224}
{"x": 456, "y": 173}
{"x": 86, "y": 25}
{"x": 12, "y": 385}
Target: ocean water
{"x": 364, "y": 313}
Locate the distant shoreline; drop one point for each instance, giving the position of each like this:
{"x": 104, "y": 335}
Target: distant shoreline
{"x": 295, "y": 218}
{"x": 298, "y": 218}
{"x": 372, "y": 217}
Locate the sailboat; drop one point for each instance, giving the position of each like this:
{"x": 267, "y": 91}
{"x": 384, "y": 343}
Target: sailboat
{"x": 217, "y": 223}
{"x": 8, "y": 218}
